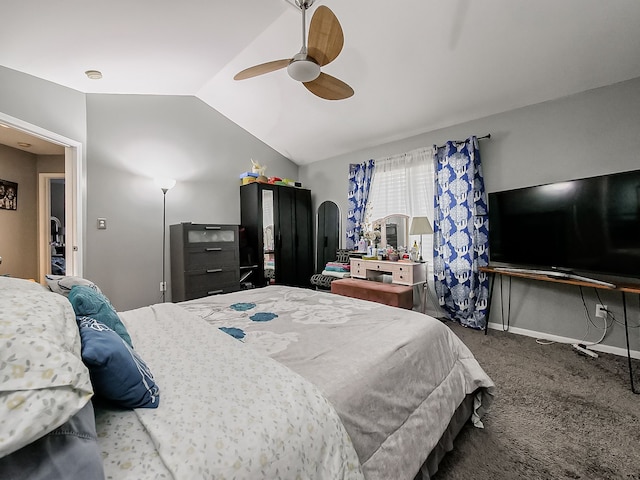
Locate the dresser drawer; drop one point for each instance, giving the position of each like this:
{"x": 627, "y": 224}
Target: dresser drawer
{"x": 213, "y": 235}
{"x": 402, "y": 274}
{"x": 358, "y": 269}
{"x": 203, "y": 257}
{"x": 213, "y": 291}
{"x": 211, "y": 278}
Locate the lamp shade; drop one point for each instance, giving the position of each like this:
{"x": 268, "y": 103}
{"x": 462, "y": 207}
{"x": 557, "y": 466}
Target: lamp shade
{"x": 420, "y": 226}
{"x": 165, "y": 183}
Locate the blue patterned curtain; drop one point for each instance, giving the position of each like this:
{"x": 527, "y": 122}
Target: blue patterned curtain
{"x": 460, "y": 241}
{"x": 360, "y": 175}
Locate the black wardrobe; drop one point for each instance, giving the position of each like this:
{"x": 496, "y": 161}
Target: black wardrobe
{"x": 278, "y": 226}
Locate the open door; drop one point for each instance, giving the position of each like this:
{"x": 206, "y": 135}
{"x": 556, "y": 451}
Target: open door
{"x": 74, "y": 188}
{"x": 51, "y": 224}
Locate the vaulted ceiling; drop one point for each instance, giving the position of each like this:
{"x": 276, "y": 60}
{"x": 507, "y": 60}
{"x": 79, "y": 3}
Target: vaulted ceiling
{"x": 415, "y": 65}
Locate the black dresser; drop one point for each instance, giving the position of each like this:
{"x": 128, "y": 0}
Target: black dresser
{"x": 204, "y": 260}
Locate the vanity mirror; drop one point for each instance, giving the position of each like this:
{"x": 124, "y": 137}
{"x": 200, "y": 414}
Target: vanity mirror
{"x": 394, "y": 230}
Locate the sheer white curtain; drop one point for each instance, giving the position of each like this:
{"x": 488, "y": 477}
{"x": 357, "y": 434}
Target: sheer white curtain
{"x": 404, "y": 184}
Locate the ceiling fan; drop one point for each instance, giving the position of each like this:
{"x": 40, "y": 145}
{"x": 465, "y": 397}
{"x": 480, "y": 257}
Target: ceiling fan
{"x": 325, "y": 43}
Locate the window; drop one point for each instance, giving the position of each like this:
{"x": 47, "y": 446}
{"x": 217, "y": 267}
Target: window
{"x": 403, "y": 185}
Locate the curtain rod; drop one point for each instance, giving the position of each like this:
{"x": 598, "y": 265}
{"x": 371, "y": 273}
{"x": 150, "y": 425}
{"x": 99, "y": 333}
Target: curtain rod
{"x": 458, "y": 142}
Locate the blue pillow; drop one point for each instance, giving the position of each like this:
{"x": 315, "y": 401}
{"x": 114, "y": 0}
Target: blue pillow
{"x": 118, "y": 374}
{"x": 87, "y": 301}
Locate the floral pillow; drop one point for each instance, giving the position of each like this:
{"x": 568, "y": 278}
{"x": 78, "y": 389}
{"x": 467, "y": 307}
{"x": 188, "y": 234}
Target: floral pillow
{"x": 44, "y": 382}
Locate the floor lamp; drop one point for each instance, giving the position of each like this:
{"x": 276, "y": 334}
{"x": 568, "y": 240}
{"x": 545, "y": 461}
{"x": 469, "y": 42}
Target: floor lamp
{"x": 420, "y": 226}
{"x": 165, "y": 185}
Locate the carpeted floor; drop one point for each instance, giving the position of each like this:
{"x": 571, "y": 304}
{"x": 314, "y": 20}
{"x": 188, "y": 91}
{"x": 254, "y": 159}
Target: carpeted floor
{"x": 557, "y": 414}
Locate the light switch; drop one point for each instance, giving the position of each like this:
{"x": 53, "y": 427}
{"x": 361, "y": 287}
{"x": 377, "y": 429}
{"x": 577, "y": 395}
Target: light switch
{"x": 102, "y": 224}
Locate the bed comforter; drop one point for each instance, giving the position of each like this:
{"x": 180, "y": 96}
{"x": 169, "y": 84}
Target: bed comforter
{"x": 226, "y": 411}
{"x": 395, "y": 377}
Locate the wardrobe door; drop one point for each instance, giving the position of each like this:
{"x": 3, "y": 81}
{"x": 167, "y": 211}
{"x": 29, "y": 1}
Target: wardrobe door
{"x": 253, "y": 204}
{"x": 328, "y": 234}
{"x": 304, "y": 240}
{"x": 285, "y": 258}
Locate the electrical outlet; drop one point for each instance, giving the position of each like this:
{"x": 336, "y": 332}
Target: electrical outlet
{"x": 163, "y": 286}
{"x": 601, "y": 311}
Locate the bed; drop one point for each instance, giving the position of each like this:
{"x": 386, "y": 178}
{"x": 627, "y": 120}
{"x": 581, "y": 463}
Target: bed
{"x": 283, "y": 382}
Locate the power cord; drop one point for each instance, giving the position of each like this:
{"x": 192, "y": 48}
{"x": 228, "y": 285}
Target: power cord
{"x": 581, "y": 345}
{"x": 613, "y": 317}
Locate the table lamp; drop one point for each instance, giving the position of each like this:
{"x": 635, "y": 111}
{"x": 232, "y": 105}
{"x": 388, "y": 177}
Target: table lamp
{"x": 420, "y": 226}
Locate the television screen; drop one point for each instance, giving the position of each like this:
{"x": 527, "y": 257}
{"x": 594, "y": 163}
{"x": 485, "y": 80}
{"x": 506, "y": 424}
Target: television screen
{"x": 585, "y": 225}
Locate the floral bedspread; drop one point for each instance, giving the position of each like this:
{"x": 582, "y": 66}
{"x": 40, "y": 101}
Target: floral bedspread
{"x": 226, "y": 412}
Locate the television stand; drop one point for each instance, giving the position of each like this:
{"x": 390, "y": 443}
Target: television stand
{"x": 531, "y": 271}
{"x": 552, "y": 274}
{"x": 590, "y": 280}
{"x": 567, "y": 279}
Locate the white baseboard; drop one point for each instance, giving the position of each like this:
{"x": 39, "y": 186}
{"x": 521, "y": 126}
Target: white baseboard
{"x": 556, "y": 338}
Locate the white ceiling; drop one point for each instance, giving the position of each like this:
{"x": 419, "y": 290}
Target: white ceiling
{"x": 415, "y": 65}
{"x": 21, "y": 140}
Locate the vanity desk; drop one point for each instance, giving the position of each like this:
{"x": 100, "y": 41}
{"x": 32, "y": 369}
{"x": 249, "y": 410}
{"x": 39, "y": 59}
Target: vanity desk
{"x": 402, "y": 273}
{"x": 406, "y": 277}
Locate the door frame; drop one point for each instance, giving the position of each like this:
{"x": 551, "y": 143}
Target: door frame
{"x": 44, "y": 221}
{"x": 74, "y": 191}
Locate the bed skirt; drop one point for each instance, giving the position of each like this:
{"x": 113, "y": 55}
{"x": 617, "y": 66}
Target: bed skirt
{"x": 461, "y": 416}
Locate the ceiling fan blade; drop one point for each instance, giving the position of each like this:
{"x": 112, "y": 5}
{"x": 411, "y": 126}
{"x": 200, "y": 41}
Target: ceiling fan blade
{"x": 262, "y": 69}
{"x": 325, "y": 36}
{"x": 329, "y": 88}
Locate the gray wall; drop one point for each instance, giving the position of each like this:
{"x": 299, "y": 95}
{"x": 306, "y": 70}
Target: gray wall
{"x": 19, "y": 228}
{"x": 133, "y": 139}
{"x": 45, "y": 104}
{"x": 587, "y": 134}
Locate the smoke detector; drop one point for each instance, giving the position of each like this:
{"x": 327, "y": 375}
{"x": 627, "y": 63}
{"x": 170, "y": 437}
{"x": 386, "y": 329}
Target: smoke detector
{"x": 93, "y": 74}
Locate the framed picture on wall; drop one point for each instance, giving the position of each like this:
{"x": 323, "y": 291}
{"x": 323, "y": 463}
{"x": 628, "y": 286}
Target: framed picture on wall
{"x": 8, "y": 195}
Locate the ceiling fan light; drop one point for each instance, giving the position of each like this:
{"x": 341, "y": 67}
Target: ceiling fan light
{"x": 303, "y": 70}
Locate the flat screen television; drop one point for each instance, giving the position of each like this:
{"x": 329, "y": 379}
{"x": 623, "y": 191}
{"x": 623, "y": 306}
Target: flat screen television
{"x": 587, "y": 225}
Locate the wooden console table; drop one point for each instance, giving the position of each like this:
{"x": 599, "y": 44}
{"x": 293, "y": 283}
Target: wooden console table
{"x": 622, "y": 288}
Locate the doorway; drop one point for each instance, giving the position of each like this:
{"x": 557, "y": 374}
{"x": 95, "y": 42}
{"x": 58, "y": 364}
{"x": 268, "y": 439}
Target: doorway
{"x": 73, "y": 200}
{"x": 51, "y": 224}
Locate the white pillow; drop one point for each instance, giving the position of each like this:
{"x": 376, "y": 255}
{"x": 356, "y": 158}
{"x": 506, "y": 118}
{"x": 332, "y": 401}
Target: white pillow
{"x": 63, "y": 284}
{"x": 43, "y": 381}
